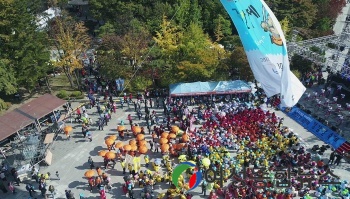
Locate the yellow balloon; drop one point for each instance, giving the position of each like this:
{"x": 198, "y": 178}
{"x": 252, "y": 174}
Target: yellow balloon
{"x": 206, "y": 162}
{"x": 180, "y": 184}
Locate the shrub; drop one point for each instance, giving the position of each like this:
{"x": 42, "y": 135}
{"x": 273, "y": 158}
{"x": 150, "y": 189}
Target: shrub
{"x": 62, "y": 94}
{"x": 3, "y": 105}
{"x": 75, "y": 94}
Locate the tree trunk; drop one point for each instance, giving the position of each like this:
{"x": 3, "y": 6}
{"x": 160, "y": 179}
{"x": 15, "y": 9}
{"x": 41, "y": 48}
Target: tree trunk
{"x": 77, "y": 79}
{"x": 69, "y": 76}
{"x": 48, "y": 83}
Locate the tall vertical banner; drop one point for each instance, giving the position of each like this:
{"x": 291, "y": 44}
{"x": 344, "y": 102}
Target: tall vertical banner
{"x": 265, "y": 45}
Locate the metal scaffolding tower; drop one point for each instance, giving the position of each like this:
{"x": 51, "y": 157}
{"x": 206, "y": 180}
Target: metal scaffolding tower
{"x": 330, "y": 52}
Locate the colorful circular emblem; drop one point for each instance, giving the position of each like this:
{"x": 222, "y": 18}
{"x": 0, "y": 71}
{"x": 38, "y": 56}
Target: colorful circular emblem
{"x": 195, "y": 179}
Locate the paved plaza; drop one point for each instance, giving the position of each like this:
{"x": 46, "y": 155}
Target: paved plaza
{"x": 70, "y": 158}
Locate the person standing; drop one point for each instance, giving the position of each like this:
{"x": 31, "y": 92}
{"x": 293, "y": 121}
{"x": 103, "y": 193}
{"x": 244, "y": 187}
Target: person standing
{"x": 84, "y": 129}
{"x": 338, "y": 158}
{"x": 151, "y": 145}
{"x": 42, "y": 188}
{"x": 156, "y": 147}
{"x": 103, "y": 194}
{"x": 150, "y": 102}
{"x": 30, "y": 189}
{"x": 67, "y": 193}
{"x": 11, "y": 187}
{"x": 91, "y": 162}
{"x": 100, "y": 124}
{"x": 204, "y": 188}
{"x": 91, "y": 183}
{"x": 15, "y": 176}
{"x": 89, "y": 136}
{"x": 79, "y": 113}
{"x": 131, "y": 193}
{"x": 331, "y": 158}
{"x": 123, "y": 165}
{"x": 58, "y": 175}
{"x": 135, "y": 106}
{"x": 52, "y": 191}
{"x": 130, "y": 119}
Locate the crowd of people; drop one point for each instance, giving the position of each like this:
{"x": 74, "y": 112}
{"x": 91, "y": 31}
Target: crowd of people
{"x": 240, "y": 137}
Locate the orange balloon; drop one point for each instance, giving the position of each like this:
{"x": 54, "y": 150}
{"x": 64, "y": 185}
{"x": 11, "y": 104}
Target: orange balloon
{"x": 163, "y": 141}
{"x": 185, "y": 137}
{"x": 68, "y": 129}
{"x": 133, "y": 148}
{"x": 102, "y": 153}
{"x": 180, "y": 146}
{"x": 142, "y": 143}
{"x": 175, "y": 129}
{"x": 164, "y": 147}
{"x": 140, "y": 137}
{"x": 89, "y": 173}
{"x": 127, "y": 147}
{"x": 110, "y": 155}
{"x": 119, "y": 145}
{"x": 132, "y": 142}
{"x": 112, "y": 137}
{"x": 136, "y": 129}
{"x": 120, "y": 128}
{"x": 143, "y": 149}
{"x": 172, "y": 136}
{"x": 109, "y": 142}
{"x": 164, "y": 135}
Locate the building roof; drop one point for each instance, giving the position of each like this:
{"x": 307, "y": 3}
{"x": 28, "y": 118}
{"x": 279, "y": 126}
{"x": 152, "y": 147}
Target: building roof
{"x": 21, "y": 117}
{"x": 41, "y": 106}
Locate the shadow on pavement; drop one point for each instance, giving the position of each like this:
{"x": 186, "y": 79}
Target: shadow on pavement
{"x": 95, "y": 151}
{"x": 75, "y": 184}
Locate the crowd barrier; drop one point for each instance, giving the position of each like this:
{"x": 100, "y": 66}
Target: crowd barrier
{"x": 321, "y": 131}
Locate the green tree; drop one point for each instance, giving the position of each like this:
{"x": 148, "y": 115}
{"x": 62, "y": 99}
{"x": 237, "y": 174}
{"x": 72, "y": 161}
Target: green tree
{"x": 198, "y": 56}
{"x": 113, "y": 64}
{"x": 24, "y": 47}
{"x": 222, "y": 28}
{"x": 135, "y": 42}
{"x": 301, "y": 12}
{"x": 106, "y": 29}
{"x": 301, "y": 64}
{"x": 285, "y": 26}
{"x": 8, "y": 84}
{"x": 239, "y": 65}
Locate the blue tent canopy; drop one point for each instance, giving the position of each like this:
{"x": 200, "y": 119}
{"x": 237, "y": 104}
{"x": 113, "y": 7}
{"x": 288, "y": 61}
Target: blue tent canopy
{"x": 209, "y": 88}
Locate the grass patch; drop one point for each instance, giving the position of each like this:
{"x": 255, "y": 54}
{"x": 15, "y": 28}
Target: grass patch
{"x": 61, "y": 88}
{"x": 60, "y": 82}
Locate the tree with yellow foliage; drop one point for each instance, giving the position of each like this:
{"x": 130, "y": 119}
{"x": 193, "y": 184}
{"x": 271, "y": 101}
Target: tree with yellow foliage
{"x": 168, "y": 39}
{"x": 71, "y": 40}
